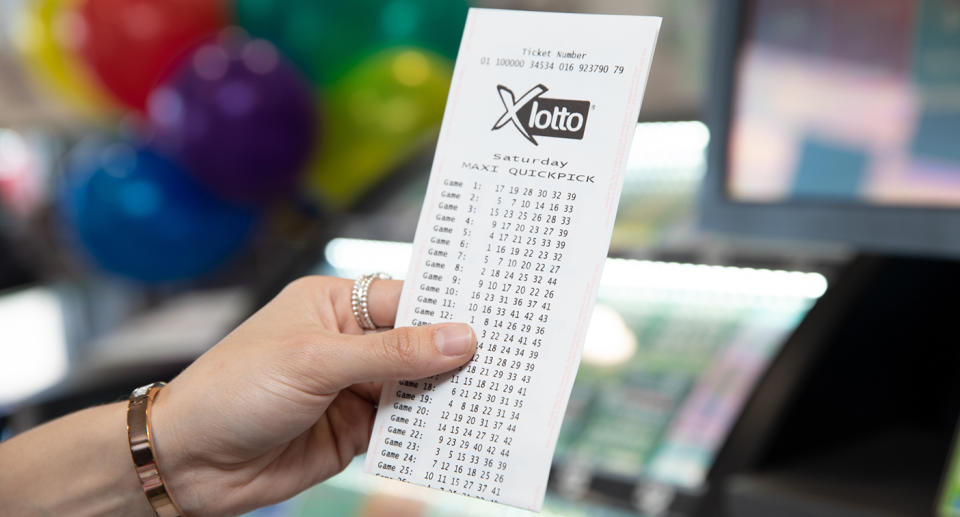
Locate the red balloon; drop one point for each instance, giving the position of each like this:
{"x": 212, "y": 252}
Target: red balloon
{"x": 132, "y": 45}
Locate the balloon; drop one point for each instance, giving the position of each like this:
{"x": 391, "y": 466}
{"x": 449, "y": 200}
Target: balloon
{"x": 138, "y": 215}
{"x": 433, "y": 24}
{"x": 239, "y": 117}
{"x": 48, "y": 29}
{"x": 324, "y": 38}
{"x": 132, "y": 44}
{"x": 377, "y": 116}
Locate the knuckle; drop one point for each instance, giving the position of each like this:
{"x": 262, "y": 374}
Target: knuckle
{"x": 309, "y": 282}
{"x": 303, "y": 351}
{"x": 306, "y": 363}
{"x": 403, "y": 346}
{"x": 312, "y": 285}
{"x": 303, "y": 284}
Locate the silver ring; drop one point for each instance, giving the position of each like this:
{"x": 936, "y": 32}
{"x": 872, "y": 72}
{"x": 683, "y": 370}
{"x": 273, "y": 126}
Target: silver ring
{"x": 359, "y": 300}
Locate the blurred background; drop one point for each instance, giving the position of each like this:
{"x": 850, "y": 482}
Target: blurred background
{"x": 775, "y": 333}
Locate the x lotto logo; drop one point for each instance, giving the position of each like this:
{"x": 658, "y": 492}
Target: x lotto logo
{"x": 534, "y": 115}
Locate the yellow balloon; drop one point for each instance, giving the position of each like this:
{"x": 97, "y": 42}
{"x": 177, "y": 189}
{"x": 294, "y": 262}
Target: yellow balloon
{"x": 48, "y": 29}
{"x": 381, "y": 112}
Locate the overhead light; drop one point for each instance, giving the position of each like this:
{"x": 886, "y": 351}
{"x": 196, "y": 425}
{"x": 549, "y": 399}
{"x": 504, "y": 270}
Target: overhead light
{"x": 353, "y": 257}
{"x": 609, "y": 340}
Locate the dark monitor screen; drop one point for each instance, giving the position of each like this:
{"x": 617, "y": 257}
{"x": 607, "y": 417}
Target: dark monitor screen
{"x": 838, "y": 120}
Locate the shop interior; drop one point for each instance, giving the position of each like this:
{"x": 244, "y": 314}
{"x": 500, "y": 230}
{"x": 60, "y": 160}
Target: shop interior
{"x": 775, "y": 331}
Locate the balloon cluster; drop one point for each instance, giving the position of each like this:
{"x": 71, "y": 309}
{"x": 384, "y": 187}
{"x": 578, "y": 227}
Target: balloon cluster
{"x": 238, "y": 104}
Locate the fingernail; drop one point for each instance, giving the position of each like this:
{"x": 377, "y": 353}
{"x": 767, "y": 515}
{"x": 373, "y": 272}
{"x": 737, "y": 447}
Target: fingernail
{"x": 453, "y": 339}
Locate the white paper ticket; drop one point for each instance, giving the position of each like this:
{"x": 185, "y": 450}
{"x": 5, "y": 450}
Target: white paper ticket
{"x": 512, "y": 239}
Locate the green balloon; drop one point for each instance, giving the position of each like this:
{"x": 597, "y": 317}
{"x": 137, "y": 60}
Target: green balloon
{"x": 327, "y": 38}
{"x": 433, "y": 24}
{"x": 324, "y": 38}
{"x": 384, "y": 110}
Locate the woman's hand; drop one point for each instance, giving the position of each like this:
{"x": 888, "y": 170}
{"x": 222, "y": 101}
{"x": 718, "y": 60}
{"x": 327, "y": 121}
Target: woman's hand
{"x": 288, "y": 399}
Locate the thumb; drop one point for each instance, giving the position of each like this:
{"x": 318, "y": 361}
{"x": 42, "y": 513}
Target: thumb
{"x": 403, "y": 353}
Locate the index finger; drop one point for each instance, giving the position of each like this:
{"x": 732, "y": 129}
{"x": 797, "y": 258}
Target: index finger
{"x": 383, "y": 296}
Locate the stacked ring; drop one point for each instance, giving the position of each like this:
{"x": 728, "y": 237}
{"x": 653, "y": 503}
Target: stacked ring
{"x": 360, "y": 302}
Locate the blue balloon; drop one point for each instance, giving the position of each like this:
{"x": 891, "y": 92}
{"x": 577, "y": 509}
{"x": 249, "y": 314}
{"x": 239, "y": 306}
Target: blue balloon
{"x": 139, "y": 215}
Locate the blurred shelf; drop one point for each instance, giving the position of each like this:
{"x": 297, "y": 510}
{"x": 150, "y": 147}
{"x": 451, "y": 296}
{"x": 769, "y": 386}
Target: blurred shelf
{"x": 153, "y": 345}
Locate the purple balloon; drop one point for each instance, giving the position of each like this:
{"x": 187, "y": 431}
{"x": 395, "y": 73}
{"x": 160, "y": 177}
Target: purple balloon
{"x": 238, "y": 116}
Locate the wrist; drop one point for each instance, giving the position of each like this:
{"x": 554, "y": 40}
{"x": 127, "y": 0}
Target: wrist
{"x": 172, "y": 456}
{"x": 93, "y": 474}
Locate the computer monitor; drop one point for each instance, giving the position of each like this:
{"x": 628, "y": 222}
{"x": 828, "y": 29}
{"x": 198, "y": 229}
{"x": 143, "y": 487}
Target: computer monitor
{"x": 837, "y": 121}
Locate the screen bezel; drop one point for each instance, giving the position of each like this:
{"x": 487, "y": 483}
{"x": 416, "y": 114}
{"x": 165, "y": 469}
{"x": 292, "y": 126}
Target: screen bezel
{"x": 931, "y": 231}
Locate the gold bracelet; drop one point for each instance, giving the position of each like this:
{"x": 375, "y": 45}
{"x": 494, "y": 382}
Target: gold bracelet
{"x": 142, "y": 450}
